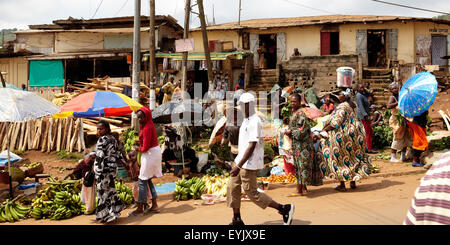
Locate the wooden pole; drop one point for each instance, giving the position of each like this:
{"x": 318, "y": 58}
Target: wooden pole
{"x": 205, "y": 41}
{"x": 3, "y": 80}
{"x": 152, "y": 58}
{"x": 187, "y": 12}
{"x": 136, "y": 58}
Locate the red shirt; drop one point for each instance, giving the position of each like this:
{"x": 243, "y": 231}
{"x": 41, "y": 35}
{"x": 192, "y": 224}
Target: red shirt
{"x": 147, "y": 137}
{"x": 328, "y": 108}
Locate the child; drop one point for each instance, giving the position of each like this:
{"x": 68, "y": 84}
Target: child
{"x": 376, "y": 116}
{"x": 133, "y": 169}
{"x": 328, "y": 106}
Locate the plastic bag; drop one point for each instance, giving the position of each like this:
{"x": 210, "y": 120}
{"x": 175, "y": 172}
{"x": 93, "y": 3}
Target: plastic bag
{"x": 88, "y": 196}
{"x": 136, "y": 192}
{"x": 210, "y": 199}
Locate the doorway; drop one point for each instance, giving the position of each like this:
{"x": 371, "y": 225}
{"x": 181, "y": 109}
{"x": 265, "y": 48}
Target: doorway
{"x": 438, "y": 49}
{"x": 329, "y": 43}
{"x": 268, "y": 46}
{"x": 376, "y": 47}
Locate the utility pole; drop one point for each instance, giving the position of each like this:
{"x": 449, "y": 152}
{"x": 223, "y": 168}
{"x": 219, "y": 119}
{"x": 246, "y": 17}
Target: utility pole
{"x": 152, "y": 61}
{"x": 205, "y": 41}
{"x": 239, "y": 18}
{"x": 136, "y": 58}
{"x": 187, "y": 12}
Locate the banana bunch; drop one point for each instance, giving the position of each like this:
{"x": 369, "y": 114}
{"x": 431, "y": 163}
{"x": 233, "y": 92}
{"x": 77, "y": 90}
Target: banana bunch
{"x": 185, "y": 189}
{"x": 32, "y": 165}
{"x": 124, "y": 192}
{"x": 181, "y": 193}
{"x": 12, "y": 211}
{"x": 58, "y": 200}
{"x": 216, "y": 184}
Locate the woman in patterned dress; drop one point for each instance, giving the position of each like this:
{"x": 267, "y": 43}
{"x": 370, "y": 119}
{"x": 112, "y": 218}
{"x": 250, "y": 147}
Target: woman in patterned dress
{"x": 302, "y": 145}
{"x": 105, "y": 168}
{"x": 344, "y": 150}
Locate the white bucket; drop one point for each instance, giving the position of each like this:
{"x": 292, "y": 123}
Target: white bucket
{"x": 345, "y": 77}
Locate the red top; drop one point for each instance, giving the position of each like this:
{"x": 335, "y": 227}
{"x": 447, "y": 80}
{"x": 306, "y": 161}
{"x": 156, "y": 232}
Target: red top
{"x": 328, "y": 108}
{"x": 147, "y": 137}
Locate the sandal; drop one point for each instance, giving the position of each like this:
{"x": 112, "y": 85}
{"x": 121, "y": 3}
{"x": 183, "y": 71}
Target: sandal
{"x": 417, "y": 164}
{"x": 353, "y": 185}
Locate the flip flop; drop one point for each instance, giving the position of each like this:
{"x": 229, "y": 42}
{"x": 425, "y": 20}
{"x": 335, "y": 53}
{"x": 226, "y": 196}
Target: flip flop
{"x": 418, "y": 164}
{"x": 293, "y": 195}
{"x": 155, "y": 211}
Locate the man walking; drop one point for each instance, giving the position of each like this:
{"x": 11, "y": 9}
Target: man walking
{"x": 249, "y": 160}
{"x": 363, "y": 112}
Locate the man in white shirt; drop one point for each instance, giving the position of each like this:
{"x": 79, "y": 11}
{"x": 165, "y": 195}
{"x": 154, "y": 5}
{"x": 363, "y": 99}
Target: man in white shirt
{"x": 247, "y": 163}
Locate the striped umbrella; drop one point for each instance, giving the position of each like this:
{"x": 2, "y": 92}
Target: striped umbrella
{"x": 98, "y": 104}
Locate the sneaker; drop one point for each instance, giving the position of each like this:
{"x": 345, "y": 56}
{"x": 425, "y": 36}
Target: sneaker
{"x": 288, "y": 213}
{"x": 237, "y": 222}
{"x": 394, "y": 160}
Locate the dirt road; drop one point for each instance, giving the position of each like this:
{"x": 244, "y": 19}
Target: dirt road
{"x": 376, "y": 201}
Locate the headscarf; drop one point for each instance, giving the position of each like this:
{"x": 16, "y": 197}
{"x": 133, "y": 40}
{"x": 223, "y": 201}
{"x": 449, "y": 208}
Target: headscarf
{"x": 147, "y": 137}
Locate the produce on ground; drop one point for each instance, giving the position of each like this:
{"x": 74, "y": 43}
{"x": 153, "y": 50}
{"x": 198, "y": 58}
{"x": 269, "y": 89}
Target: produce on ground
{"x": 216, "y": 184}
{"x": 185, "y": 189}
{"x": 214, "y": 171}
{"x": 58, "y": 200}
{"x": 32, "y": 165}
{"x": 382, "y": 136}
{"x": 287, "y": 179}
{"x": 440, "y": 144}
{"x": 12, "y": 210}
{"x": 124, "y": 192}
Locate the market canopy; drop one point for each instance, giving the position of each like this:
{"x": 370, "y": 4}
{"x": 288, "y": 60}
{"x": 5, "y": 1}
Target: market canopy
{"x": 201, "y": 56}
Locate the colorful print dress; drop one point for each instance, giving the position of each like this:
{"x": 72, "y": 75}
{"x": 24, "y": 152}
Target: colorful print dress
{"x": 302, "y": 147}
{"x": 344, "y": 152}
{"x": 105, "y": 168}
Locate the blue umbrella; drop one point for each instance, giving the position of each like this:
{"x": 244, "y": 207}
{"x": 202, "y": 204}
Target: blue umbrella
{"x": 417, "y": 94}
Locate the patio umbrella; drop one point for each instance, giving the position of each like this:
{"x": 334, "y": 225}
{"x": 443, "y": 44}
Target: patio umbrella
{"x": 98, "y": 104}
{"x": 19, "y": 106}
{"x": 417, "y": 94}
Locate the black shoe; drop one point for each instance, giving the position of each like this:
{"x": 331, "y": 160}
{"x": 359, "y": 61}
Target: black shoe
{"x": 237, "y": 222}
{"x": 288, "y": 213}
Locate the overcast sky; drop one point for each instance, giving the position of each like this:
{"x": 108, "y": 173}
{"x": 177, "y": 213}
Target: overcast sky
{"x": 21, "y": 13}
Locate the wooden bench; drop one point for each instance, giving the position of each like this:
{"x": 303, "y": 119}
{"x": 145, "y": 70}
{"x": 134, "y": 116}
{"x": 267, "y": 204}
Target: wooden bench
{"x": 40, "y": 176}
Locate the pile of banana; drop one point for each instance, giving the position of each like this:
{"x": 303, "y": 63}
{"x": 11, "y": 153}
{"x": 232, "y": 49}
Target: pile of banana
{"x": 58, "y": 200}
{"x": 32, "y": 165}
{"x": 11, "y": 211}
{"x": 186, "y": 189}
{"x": 216, "y": 184}
{"x": 124, "y": 192}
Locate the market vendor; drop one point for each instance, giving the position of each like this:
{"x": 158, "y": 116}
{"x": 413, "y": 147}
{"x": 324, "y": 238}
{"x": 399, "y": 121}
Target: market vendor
{"x": 84, "y": 166}
{"x": 172, "y": 153}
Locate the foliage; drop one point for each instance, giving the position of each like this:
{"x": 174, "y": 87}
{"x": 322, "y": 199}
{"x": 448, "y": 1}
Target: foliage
{"x": 18, "y": 152}
{"x": 387, "y": 114}
{"x": 223, "y": 153}
{"x": 286, "y": 111}
{"x": 440, "y": 144}
{"x": 214, "y": 171}
{"x": 63, "y": 154}
{"x": 268, "y": 151}
{"x": 382, "y": 136}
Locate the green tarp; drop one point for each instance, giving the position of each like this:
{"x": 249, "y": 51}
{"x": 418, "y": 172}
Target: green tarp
{"x": 46, "y": 73}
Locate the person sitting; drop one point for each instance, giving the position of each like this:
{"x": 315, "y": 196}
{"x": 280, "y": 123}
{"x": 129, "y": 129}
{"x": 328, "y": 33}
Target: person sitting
{"x": 296, "y": 52}
{"x": 84, "y": 165}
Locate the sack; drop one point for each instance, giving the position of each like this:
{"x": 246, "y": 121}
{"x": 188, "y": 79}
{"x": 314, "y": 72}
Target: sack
{"x": 136, "y": 191}
{"x": 88, "y": 179}
{"x": 88, "y": 196}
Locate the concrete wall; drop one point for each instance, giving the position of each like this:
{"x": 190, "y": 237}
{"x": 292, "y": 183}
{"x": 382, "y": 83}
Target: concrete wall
{"x": 230, "y": 35}
{"x": 317, "y": 71}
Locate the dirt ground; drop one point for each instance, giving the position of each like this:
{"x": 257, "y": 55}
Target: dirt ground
{"x": 441, "y": 102}
{"x": 376, "y": 201}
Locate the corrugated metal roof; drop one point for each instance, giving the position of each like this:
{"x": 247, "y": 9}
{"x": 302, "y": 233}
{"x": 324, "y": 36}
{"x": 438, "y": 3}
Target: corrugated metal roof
{"x": 313, "y": 20}
{"x": 109, "y": 30}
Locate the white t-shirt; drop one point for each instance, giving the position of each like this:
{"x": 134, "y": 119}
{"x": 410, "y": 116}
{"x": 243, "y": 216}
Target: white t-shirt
{"x": 251, "y": 131}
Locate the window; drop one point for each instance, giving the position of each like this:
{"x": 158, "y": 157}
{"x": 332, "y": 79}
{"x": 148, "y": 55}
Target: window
{"x": 329, "y": 43}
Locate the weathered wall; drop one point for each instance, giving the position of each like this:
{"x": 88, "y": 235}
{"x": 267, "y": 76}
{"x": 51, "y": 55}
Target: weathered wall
{"x": 317, "y": 71}
{"x": 36, "y": 43}
{"x": 230, "y": 35}
{"x": 17, "y": 69}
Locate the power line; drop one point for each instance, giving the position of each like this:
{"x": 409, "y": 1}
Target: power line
{"x": 97, "y": 9}
{"x": 309, "y": 7}
{"x": 123, "y": 5}
{"x": 405, "y": 6}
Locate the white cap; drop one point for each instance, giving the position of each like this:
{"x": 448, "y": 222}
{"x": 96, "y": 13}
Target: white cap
{"x": 246, "y": 98}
